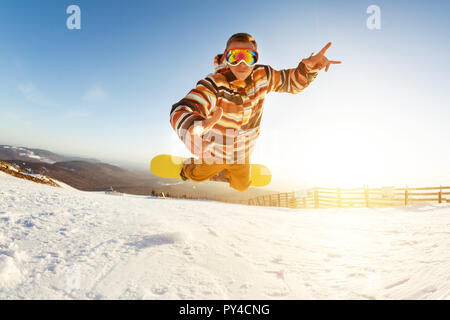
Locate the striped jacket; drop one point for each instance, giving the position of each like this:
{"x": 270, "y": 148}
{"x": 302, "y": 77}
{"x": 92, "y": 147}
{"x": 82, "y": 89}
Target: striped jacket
{"x": 242, "y": 102}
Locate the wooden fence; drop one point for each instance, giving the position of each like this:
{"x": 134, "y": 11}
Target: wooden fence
{"x": 353, "y": 198}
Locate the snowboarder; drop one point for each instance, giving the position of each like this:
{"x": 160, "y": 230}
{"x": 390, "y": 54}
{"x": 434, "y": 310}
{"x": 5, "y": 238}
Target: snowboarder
{"x": 219, "y": 119}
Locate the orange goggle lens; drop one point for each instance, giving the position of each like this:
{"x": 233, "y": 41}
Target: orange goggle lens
{"x": 236, "y": 56}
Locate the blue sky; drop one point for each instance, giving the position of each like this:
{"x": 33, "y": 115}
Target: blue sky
{"x": 106, "y": 90}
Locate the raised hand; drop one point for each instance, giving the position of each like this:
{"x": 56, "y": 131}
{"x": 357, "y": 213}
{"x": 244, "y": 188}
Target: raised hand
{"x": 319, "y": 61}
{"x": 199, "y": 129}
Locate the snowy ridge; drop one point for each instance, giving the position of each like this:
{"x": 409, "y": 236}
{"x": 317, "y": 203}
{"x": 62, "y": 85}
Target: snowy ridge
{"x": 62, "y": 243}
{"x": 23, "y": 152}
{"x": 26, "y": 174}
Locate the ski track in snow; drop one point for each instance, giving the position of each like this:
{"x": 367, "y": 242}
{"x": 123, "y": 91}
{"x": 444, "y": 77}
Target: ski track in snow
{"x": 61, "y": 243}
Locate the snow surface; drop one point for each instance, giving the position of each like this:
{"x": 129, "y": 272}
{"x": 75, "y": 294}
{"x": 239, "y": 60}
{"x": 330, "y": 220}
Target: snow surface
{"x": 61, "y": 243}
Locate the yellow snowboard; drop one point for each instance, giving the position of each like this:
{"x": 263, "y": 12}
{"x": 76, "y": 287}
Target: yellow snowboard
{"x": 168, "y": 166}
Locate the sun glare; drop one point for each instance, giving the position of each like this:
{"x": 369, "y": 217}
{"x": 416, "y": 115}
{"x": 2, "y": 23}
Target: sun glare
{"x": 335, "y": 159}
{"x": 342, "y": 162}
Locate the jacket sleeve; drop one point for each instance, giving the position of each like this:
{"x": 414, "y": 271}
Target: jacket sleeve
{"x": 195, "y": 106}
{"x": 290, "y": 80}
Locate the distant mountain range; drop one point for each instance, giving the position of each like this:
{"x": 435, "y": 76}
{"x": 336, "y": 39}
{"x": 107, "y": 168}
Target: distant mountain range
{"x": 29, "y": 154}
{"x": 93, "y": 175}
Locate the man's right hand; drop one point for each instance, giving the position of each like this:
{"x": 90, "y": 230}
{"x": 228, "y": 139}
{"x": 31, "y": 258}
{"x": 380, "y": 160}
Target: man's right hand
{"x": 199, "y": 129}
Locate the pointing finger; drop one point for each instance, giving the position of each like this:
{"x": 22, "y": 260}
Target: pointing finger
{"x": 335, "y": 62}
{"x": 324, "y": 49}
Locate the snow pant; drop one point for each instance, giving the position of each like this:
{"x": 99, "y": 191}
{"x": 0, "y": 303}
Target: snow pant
{"x": 238, "y": 175}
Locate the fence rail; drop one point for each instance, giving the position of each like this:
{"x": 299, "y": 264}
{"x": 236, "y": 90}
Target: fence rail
{"x": 355, "y": 197}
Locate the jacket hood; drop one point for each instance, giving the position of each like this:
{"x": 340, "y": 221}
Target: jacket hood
{"x": 219, "y": 63}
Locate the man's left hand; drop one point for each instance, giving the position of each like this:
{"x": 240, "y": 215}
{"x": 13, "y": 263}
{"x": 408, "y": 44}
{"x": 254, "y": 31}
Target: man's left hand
{"x": 319, "y": 61}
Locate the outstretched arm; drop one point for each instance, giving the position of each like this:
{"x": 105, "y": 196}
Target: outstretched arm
{"x": 297, "y": 79}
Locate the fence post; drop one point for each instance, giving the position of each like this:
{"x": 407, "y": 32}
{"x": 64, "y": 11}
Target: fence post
{"x": 296, "y": 201}
{"x": 339, "y": 197}
{"x": 291, "y": 200}
{"x": 316, "y": 198}
{"x": 406, "y": 196}
{"x": 440, "y": 194}
{"x": 366, "y": 195}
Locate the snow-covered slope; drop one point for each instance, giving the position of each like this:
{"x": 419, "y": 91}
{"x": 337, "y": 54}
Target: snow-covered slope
{"x": 61, "y": 243}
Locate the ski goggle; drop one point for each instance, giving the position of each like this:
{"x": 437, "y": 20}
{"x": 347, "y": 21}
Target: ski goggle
{"x": 237, "y": 55}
